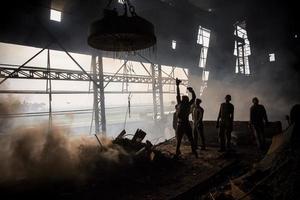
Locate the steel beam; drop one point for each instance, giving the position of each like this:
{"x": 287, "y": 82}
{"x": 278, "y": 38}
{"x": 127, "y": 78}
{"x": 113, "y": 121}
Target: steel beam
{"x": 40, "y": 73}
{"x": 76, "y": 92}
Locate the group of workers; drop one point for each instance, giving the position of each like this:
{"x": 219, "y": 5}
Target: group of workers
{"x": 182, "y": 125}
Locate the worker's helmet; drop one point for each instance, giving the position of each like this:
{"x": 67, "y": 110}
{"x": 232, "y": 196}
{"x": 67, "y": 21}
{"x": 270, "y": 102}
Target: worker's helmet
{"x": 198, "y": 101}
{"x": 228, "y": 97}
{"x": 255, "y": 100}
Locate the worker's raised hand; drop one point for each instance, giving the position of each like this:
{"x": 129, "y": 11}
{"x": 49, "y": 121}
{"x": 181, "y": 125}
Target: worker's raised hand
{"x": 190, "y": 89}
{"x": 178, "y": 81}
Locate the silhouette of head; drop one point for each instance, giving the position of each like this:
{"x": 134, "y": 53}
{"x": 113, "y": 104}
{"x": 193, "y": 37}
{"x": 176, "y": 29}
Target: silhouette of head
{"x": 255, "y": 100}
{"x": 198, "y": 101}
{"x": 228, "y": 98}
{"x": 185, "y": 99}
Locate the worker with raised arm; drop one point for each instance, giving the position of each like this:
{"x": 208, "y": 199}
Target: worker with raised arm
{"x": 183, "y": 124}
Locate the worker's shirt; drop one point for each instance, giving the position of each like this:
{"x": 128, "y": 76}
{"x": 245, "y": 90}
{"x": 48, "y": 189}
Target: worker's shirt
{"x": 184, "y": 110}
{"x": 197, "y": 115}
{"x": 226, "y": 114}
{"x": 258, "y": 114}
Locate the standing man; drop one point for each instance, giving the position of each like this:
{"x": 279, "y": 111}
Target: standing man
{"x": 225, "y": 123}
{"x": 197, "y": 114}
{"x": 183, "y": 124}
{"x": 258, "y": 115}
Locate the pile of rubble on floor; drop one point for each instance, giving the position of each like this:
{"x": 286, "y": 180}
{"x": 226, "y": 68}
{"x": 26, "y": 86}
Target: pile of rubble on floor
{"x": 274, "y": 178}
{"x": 140, "y": 151}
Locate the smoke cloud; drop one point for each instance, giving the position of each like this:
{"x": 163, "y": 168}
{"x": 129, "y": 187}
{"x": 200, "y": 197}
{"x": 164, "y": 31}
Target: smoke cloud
{"x": 43, "y": 154}
{"x": 277, "y": 91}
{"x": 36, "y": 153}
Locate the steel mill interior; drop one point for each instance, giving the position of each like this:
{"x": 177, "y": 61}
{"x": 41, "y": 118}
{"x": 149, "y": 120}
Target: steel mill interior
{"x": 149, "y": 100}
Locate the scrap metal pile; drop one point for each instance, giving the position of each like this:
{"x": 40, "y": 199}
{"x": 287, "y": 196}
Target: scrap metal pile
{"x": 139, "y": 151}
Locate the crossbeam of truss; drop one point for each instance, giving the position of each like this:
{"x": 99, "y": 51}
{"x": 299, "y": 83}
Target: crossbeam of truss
{"x": 73, "y": 75}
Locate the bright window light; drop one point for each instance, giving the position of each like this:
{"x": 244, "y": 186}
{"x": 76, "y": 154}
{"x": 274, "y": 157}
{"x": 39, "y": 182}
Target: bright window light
{"x": 203, "y": 57}
{"x": 173, "y": 44}
{"x": 242, "y": 49}
{"x": 203, "y": 36}
{"x": 205, "y": 76}
{"x": 237, "y": 67}
{"x": 55, "y": 15}
{"x": 121, "y": 1}
{"x": 247, "y": 67}
{"x": 203, "y": 88}
{"x": 203, "y": 39}
{"x": 272, "y": 57}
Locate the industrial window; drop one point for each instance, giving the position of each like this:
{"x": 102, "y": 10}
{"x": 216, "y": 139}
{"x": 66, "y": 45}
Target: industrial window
{"x": 55, "y": 15}
{"x": 205, "y": 75}
{"x": 272, "y": 57}
{"x": 242, "y": 49}
{"x": 203, "y": 39}
{"x": 203, "y": 57}
{"x": 202, "y": 88}
{"x": 173, "y": 44}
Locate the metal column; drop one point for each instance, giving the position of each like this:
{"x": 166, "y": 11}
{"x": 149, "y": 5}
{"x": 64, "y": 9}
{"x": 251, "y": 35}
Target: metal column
{"x": 158, "y": 107}
{"x": 125, "y": 84}
{"x": 99, "y": 99}
{"x": 49, "y": 89}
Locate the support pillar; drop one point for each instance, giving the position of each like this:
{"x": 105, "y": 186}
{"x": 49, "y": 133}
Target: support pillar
{"x": 49, "y": 89}
{"x": 158, "y": 107}
{"x": 99, "y": 98}
{"x": 161, "y": 96}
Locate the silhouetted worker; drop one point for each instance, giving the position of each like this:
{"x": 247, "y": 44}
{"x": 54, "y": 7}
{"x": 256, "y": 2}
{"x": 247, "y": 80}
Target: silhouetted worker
{"x": 225, "y": 123}
{"x": 175, "y": 119}
{"x": 197, "y": 114}
{"x": 295, "y": 147}
{"x": 183, "y": 124}
{"x": 295, "y": 121}
{"x": 258, "y": 115}
{"x": 287, "y": 118}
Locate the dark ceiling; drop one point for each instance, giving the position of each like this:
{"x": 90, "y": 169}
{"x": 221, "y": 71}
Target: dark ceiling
{"x": 270, "y": 24}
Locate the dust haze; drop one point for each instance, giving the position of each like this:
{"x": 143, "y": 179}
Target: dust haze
{"x": 43, "y": 154}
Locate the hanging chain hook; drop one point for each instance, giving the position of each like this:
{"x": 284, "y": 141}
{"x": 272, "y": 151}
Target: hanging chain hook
{"x": 125, "y": 8}
{"x": 131, "y": 7}
{"x": 132, "y": 10}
